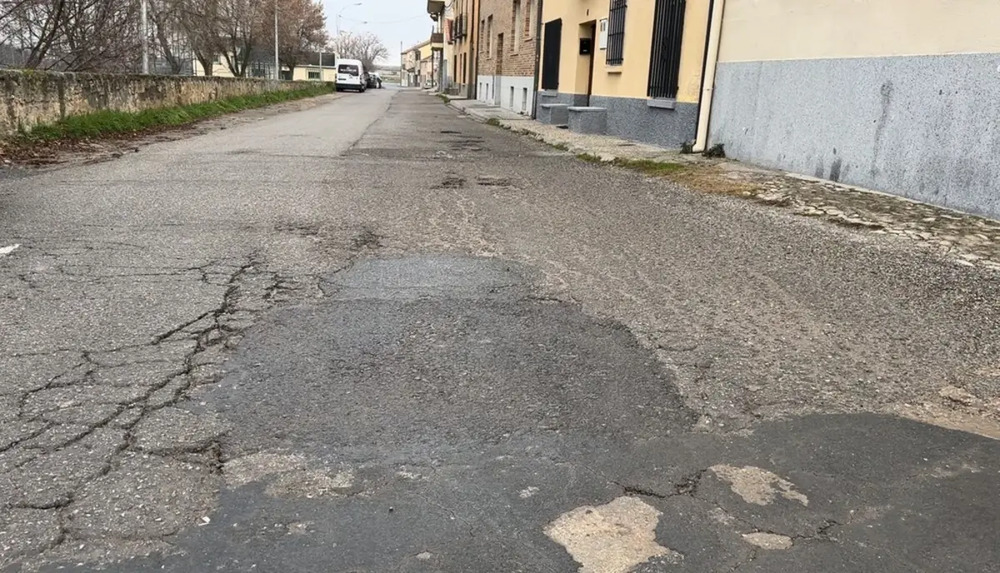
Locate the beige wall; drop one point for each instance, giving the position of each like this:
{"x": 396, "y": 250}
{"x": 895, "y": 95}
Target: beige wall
{"x": 301, "y": 73}
{"x": 756, "y": 30}
{"x": 631, "y": 78}
{"x": 327, "y": 74}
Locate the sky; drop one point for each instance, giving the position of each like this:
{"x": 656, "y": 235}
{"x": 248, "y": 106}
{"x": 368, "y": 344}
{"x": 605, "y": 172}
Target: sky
{"x": 394, "y": 21}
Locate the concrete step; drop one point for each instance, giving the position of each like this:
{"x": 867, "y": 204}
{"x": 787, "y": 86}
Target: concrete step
{"x": 588, "y": 119}
{"x": 553, "y": 113}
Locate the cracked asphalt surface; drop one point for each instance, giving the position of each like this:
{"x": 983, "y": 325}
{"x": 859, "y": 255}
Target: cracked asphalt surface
{"x": 372, "y": 335}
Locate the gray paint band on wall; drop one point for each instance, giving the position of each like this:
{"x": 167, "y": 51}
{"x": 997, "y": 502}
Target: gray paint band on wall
{"x": 924, "y": 127}
{"x": 633, "y": 118}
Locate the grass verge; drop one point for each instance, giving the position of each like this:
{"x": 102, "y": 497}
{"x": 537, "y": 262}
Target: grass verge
{"x": 112, "y": 123}
{"x": 589, "y": 157}
{"x": 649, "y": 167}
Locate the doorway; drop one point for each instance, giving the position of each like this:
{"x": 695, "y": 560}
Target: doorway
{"x": 551, "y": 54}
{"x": 588, "y": 45}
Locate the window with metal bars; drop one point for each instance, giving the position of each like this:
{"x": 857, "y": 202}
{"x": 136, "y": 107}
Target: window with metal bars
{"x": 616, "y": 33}
{"x": 665, "y": 60}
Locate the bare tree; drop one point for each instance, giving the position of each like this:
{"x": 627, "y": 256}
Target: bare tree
{"x": 202, "y": 23}
{"x": 365, "y": 47}
{"x": 33, "y": 27}
{"x": 301, "y": 31}
{"x": 242, "y": 26}
{"x": 165, "y": 17}
{"x": 105, "y": 35}
{"x": 99, "y": 35}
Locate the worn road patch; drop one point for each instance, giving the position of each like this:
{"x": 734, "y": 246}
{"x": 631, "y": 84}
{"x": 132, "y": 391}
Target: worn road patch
{"x": 611, "y": 538}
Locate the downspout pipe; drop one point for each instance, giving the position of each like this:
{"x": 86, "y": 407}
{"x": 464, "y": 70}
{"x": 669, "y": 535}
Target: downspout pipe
{"x": 708, "y": 75}
{"x": 538, "y": 61}
{"x": 474, "y": 60}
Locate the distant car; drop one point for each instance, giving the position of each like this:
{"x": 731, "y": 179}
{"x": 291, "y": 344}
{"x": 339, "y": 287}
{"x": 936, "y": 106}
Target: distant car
{"x": 351, "y": 75}
{"x": 373, "y": 80}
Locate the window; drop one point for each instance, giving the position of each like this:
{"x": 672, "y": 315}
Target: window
{"x": 482, "y": 26}
{"x": 489, "y": 36}
{"x": 313, "y": 75}
{"x": 665, "y": 59}
{"x": 348, "y": 69}
{"x": 616, "y": 32}
{"x": 516, "y": 24}
{"x": 529, "y": 30}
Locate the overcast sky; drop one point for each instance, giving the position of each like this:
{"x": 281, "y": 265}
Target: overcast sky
{"x": 394, "y": 21}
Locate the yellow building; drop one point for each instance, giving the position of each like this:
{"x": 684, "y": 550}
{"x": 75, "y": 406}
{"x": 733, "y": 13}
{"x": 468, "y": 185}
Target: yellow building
{"x": 631, "y": 69}
{"x": 416, "y": 70}
{"x": 439, "y": 11}
{"x": 463, "y": 64}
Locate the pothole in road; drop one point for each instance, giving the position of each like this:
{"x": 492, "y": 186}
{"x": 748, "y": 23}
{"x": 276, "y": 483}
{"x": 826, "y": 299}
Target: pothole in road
{"x": 489, "y": 181}
{"x": 288, "y": 475}
{"x": 451, "y": 182}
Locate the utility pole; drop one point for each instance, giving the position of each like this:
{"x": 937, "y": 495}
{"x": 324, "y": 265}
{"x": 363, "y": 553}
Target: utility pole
{"x": 277, "y": 65}
{"x": 145, "y": 37}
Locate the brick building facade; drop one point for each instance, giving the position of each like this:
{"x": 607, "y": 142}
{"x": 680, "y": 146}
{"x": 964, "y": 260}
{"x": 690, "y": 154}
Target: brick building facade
{"x": 506, "y": 53}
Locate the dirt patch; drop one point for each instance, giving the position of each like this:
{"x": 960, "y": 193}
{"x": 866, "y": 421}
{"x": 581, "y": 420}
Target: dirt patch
{"x": 771, "y": 541}
{"x": 758, "y": 486}
{"x": 611, "y": 538}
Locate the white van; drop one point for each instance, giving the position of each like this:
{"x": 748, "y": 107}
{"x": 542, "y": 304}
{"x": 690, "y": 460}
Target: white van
{"x": 351, "y": 75}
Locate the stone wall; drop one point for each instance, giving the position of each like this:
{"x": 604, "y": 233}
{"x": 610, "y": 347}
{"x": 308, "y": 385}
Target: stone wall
{"x": 30, "y": 98}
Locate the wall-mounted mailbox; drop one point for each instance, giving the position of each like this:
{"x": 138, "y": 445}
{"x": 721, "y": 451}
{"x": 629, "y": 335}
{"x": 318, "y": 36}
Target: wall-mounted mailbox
{"x": 586, "y": 46}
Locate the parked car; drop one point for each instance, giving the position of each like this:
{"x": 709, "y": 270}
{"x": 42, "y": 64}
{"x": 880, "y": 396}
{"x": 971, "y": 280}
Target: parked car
{"x": 351, "y": 75}
{"x": 373, "y": 80}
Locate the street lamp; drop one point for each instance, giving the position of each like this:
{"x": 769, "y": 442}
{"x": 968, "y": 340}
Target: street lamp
{"x": 145, "y": 36}
{"x": 277, "y": 65}
{"x": 342, "y": 11}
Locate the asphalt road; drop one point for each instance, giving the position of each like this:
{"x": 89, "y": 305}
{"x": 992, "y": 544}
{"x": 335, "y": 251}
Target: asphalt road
{"x": 373, "y": 335}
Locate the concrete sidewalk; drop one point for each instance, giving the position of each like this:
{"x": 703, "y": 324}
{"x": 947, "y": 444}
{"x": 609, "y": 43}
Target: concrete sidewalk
{"x": 484, "y": 112}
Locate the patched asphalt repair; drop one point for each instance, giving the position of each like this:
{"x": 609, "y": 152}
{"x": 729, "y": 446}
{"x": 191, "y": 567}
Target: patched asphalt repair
{"x": 435, "y": 413}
